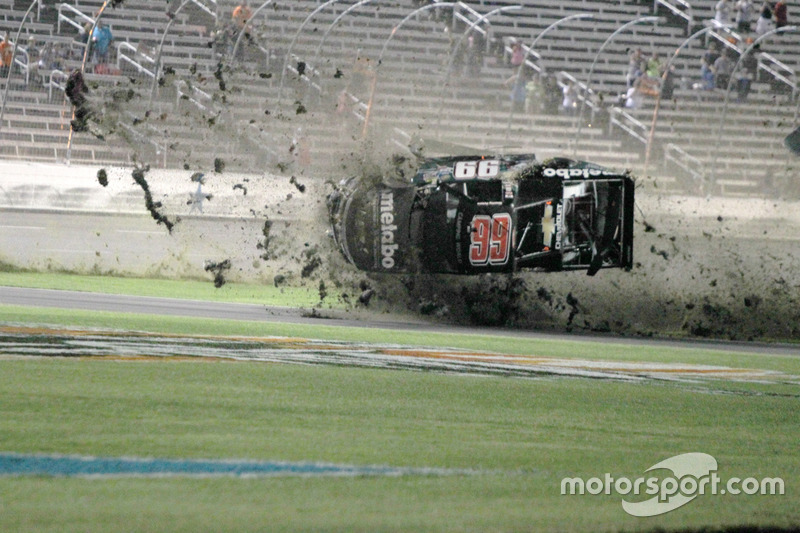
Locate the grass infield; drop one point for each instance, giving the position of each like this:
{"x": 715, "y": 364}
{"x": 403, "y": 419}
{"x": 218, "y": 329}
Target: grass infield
{"x": 522, "y": 436}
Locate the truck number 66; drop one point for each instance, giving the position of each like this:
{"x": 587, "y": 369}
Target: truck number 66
{"x": 490, "y": 239}
{"x": 483, "y": 169}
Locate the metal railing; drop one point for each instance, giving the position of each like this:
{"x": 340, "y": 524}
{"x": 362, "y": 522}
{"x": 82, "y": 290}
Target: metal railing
{"x": 24, "y": 66}
{"x": 141, "y": 69}
{"x": 685, "y": 161}
{"x": 77, "y": 13}
{"x": 308, "y": 74}
{"x": 679, "y": 8}
{"x": 457, "y": 15}
{"x": 160, "y": 149}
{"x": 530, "y": 54}
{"x": 193, "y": 95}
{"x": 628, "y": 123}
{"x": 778, "y": 70}
{"x": 54, "y": 83}
{"x": 584, "y": 93}
{"x": 725, "y": 35}
{"x": 210, "y": 10}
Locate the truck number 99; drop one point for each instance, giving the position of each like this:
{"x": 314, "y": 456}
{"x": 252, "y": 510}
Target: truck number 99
{"x": 490, "y": 239}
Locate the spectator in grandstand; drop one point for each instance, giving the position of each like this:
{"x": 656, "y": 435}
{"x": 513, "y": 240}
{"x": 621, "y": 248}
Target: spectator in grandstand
{"x": 707, "y": 66}
{"x": 747, "y": 73}
{"x": 48, "y": 59}
{"x": 241, "y": 14}
{"x": 654, "y": 66}
{"x": 781, "y": 14}
{"x": 518, "y": 91}
{"x": 6, "y": 53}
{"x": 636, "y": 66}
{"x": 722, "y": 70}
{"x": 764, "y": 22}
{"x": 722, "y": 12}
{"x": 517, "y": 54}
{"x": 534, "y": 95}
{"x": 634, "y": 97}
{"x": 744, "y": 15}
{"x": 221, "y": 42}
{"x": 101, "y": 43}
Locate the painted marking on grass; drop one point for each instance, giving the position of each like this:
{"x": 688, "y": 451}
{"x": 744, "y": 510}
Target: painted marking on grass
{"x": 17, "y": 464}
{"x": 33, "y": 341}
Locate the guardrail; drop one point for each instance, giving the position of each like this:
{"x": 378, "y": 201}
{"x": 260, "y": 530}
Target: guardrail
{"x": 79, "y": 14}
{"x": 536, "y": 67}
{"x": 141, "y": 137}
{"x": 457, "y": 15}
{"x": 207, "y": 9}
{"x": 192, "y": 94}
{"x": 584, "y": 93}
{"x": 24, "y": 66}
{"x": 725, "y": 35}
{"x": 54, "y": 84}
{"x": 135, "y": 64}
{"x": 688, "y": 163}
{"x": 684, "y": 11}
{"x": 628, "y": 123}
{"x": 309, "y": 72}
{"x": 769, "y": 64}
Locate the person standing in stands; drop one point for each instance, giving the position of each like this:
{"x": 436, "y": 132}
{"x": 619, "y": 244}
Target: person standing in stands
{"x": 636, "y": 66}
{"x": 240, "y": 17}
{"x": 764, "y": 22}
{"x": 241, "y": 14}
{"x": 101, "y": 43}
{"x": 747, "y": 72}
{"x": 6, "y": 53}
{"x": 744, "y": 13}
{"x": 781, "y": 14}
{"x": 723, "y": 12}
{"x": 722, "y": 70}
{"x": 707, "y": 66}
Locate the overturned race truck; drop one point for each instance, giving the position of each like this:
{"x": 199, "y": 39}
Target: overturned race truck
{"x": 479, "y": 214}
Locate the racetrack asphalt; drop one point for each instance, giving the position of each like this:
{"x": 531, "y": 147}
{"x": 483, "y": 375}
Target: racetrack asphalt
{"x": 337, "y": 318}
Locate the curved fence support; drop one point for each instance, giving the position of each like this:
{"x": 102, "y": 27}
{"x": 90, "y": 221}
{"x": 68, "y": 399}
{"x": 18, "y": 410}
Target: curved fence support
{"x": 724, "y": 114}
{"x": 594, "y": 63}
{"x": 408, "y": 17}
{"x": 651, "y": 136}
{"x": 481, "y": 19}
{"x": 13, "y": 56}
{"x": 531, "y": 48}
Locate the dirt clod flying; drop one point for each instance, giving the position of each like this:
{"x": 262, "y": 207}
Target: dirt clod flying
{"x": 102, "y": 177}
{"x": 138, "y": 174}
{"x": 265, "y": 244}
{"x": 299, "y": 186}
{"x": 218, "y": 269}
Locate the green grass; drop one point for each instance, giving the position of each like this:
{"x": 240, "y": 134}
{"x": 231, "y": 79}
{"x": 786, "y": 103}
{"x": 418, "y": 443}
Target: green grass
{"x": 526, "y": 434}
{"x": 586, "y": 349}
{"x": 284, "y": 296}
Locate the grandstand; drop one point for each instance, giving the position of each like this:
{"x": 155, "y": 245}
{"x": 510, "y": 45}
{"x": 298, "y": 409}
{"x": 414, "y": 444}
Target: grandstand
{"x": 307, "y": 85}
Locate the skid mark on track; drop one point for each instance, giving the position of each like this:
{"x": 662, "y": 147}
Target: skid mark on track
{"x": 31, "y": 341}
{"x": 17, "y": 464}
